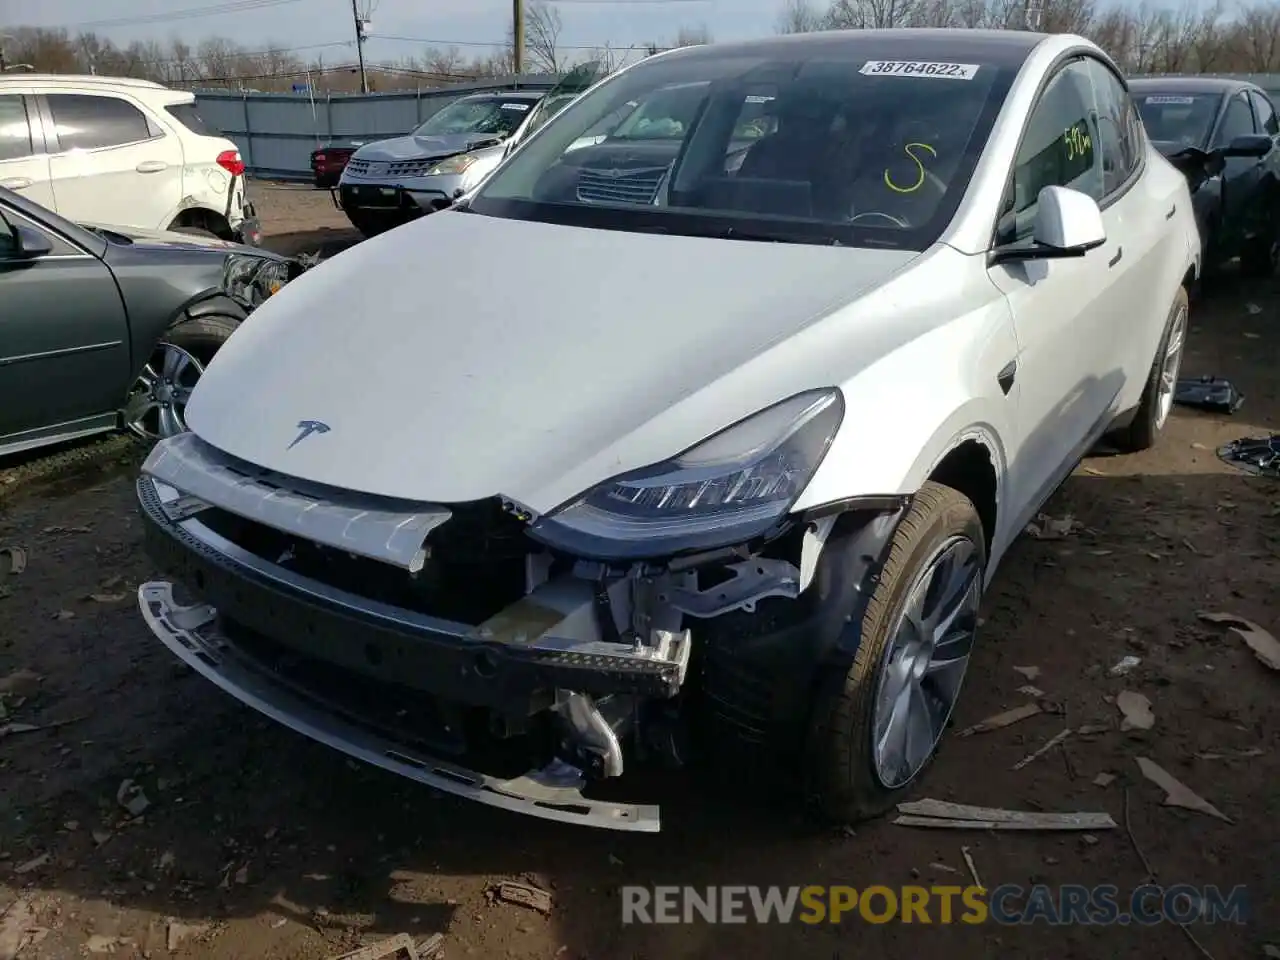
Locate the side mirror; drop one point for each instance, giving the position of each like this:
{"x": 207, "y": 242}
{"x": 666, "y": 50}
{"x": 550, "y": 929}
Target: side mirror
{"x": 1249, "y": 145}
{"x": 31, "y": 243}
{"x": 1068, "y": 224}
{"x": 1068, "y": 221}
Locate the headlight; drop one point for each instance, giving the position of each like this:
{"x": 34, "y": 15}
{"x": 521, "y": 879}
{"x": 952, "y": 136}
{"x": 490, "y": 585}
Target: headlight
{"x": 732, "y": 487}
{"x": 250, "y": 279}
{"x": 454, "y": 165}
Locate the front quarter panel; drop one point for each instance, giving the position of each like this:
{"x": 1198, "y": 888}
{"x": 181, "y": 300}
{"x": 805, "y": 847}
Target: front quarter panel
{"x": 905, "y": 412}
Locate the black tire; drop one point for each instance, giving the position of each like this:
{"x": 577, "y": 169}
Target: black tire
{"x": 1148, "y": 421}
{"x": 196, "y": 232}
{"x": 202, "y": 336}
{"x": 841, "y": 772}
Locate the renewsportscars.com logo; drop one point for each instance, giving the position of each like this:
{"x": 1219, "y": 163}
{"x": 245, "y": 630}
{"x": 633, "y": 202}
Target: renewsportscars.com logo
{"x": 1008, "y": 904}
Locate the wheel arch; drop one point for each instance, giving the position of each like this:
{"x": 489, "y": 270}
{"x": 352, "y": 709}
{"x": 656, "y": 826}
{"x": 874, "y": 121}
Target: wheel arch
{"x": 203, "y": 217}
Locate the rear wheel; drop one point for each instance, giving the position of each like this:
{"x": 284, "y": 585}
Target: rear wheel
{"x": 1162, "y": 381}
{"x": 157, "y": 403}
{"x": 881, "y": 723}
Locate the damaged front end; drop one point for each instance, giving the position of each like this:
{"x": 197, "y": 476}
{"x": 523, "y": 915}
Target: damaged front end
{"x": 436, "y": 641}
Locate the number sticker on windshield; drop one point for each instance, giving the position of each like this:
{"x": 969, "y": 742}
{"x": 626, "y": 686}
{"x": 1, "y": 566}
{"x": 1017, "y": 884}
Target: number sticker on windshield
{"x": 919, "y": 68}
{"x": 522, "y": 107}
{"x": 1184, "y": 101}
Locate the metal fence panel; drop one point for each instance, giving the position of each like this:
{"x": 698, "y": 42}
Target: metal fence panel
{"x": 276, "y": 132}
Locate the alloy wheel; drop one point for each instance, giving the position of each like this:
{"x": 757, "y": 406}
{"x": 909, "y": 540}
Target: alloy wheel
{"x": 925, "y": 662}
{"x": 1170, "y": 366}
{"x": 157, "y": 404}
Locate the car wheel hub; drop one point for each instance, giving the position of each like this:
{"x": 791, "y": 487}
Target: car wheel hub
{"x": 1171, "y": 366}
{"x": 925, "y": 662}
{"x": 157, "y": 404}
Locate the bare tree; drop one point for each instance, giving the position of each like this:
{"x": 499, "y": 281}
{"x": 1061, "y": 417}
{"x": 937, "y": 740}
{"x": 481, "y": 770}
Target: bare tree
{"x": 542, "y": 28}
{"x": 800, "y": 16}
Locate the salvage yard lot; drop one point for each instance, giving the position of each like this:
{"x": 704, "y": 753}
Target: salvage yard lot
{"x": 271, "y": 846}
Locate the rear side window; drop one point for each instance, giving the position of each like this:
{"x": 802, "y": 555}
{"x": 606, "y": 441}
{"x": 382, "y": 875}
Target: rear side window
{"x": 187, "y": 115}
{"x": 86, "y": 122}
{"x": 1266, "y": 112}
{"x": 15, "y": 131}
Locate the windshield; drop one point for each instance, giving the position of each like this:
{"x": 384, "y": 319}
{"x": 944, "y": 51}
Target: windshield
{"x": 815, "y": 150}
{"x": 1183, "y": 119}
{"x": 495, "y": 116}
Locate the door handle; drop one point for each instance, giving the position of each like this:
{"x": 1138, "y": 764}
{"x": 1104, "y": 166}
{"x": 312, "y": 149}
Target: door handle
{"x": 151, "y": 166}
{"x": 1172, "y": 211}
{"x": 16, "y": 183}
{"x": 1116, "y": 259}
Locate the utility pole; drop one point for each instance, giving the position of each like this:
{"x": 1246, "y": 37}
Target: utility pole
{"x": 3, "y": 62}
{"x": 517, "y": 36}
{"x": 360, "y": 38}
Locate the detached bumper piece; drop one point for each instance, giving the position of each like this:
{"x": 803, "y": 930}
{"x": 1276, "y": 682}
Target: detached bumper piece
{"x": 192, "y": 634}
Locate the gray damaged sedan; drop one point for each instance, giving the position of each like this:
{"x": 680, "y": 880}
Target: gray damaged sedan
{"x": 110, "y": 327}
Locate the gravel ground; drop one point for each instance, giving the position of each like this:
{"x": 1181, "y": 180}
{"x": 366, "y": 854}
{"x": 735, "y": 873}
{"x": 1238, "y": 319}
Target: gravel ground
{"x": 257, "y": 843}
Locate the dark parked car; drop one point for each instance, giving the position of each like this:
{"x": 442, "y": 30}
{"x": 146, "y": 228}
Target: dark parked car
{"x": 1224, "y": 134}
{"x": 328, "y": 162}
{"x": 106, "y": 327}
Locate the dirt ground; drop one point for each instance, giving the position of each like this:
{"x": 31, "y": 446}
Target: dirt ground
{"x": 272, "y": 846}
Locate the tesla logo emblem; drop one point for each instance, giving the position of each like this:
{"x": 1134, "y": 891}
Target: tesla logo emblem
{"x": 305, "y": 429}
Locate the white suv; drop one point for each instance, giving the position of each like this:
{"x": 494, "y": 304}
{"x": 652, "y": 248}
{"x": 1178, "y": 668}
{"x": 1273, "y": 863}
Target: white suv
{"x": 116, "y": 151}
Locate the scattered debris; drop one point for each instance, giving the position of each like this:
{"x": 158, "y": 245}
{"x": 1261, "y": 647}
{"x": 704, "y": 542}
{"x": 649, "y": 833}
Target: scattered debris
{"x": 431, "y": 948}
{"x": 1263, "y": 644}
{"x": 101, "y": 944}
{"x": 524, "y": 895}
{"x": 1000, "y": 720}
{"x": 400, "y": 946}
{"x": 10, "y": 728}
{"x": 940, "y": 813}
{"x": 17, "y": 559}
{"x": 973, "y": 869}
{"x": 1028, "y": 673}
{"x": 20, "y": 683}
{"x": 1045, "y": 527}
{"x": 64, "y": 615}
{"x": 107, "y": 597}
{"x": 1208, "y": 393}
{"x": 1270, "y": 950}
{"x": 1233, "y": 754}
{"x": 1089, "y": 840}
{"x": 942, "y": 867}
{"x": 1178, "y": 794}
{"x": 33, "y": 864}
{"x": 1048, "y": 745}
{"x": 242, "y": 875}
{"x": 15, "y": 926}
{"x": 1126, "y": 665}
{"x": 1257, "y": 455}
{"x": 1104, "y": 779}
{"x": 1136, "y": 710}
{"x": 130, "y": 796}
{"x": 1029, "y": 691}
{"x": 178, "y": 932}
{"x": 1091, "y": 729}
{"x": 101, "y": 836}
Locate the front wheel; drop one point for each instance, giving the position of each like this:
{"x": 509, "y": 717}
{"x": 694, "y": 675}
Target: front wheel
{"x": 157, "y": 403}
{"x": 880, "y": 724}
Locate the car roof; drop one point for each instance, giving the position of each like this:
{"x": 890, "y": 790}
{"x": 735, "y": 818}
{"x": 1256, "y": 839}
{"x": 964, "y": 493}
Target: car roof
{"x": 78, "y": 80}
{"x": 1192, "y": 84}
{"x": 1000, "y": 48}
{"x": 506, "y": 95}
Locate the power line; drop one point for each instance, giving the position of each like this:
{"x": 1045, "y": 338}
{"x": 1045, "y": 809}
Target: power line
{"x": 428, "y": 41}
{"x": 246, "y": 54}
{"x": 190, "y": 13}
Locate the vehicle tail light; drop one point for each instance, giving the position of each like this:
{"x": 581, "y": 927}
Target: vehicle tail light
{"x": 229, "y": 160}
{"x": 321, "y": 158}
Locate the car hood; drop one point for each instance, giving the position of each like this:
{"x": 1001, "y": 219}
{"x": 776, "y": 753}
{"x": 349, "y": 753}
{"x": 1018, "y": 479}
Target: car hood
{"x": 415, "y": 148}
{"x": 141, "y": 236}
{"x": 560, "y": 358}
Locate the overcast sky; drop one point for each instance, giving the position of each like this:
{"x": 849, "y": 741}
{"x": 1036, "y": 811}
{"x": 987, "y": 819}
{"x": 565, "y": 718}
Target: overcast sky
{"x": 320, "y": 25}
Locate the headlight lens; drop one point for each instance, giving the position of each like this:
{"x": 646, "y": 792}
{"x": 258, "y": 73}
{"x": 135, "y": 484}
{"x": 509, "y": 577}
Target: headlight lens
{"x": 250, "y": 279}
{"x": 452, "y": 165}
{"x": 731, "y": 487}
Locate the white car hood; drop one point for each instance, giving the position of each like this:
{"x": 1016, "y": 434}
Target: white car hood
{"x": 463, "y": 356}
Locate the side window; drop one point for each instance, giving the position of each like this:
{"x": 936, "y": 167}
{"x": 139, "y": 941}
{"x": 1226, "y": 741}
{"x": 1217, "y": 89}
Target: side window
{"x": 1266, "y": 113}
{"x": 1058, "y": 149}
{"x": 1237, "y": 121}
{"x": 1116, "y": 142}
{"x": 87, "y": 122}
{"x": 15, "y": 131}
